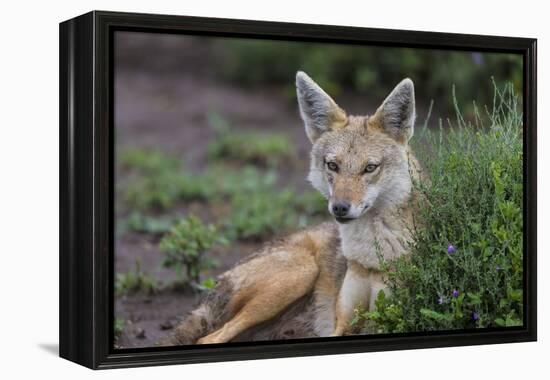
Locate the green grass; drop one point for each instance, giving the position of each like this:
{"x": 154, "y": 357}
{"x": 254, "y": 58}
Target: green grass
{"x": 474, "y": 203}
{"x": 135, "y": 281}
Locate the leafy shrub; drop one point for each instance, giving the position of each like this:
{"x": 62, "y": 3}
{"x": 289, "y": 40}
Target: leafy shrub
{"x": 135, "y": 281}
{"x": 465, "y": 269}
{"x": 185, "y": 247}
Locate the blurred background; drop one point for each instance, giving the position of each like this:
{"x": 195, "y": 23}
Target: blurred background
{"x": 211, "y": 156}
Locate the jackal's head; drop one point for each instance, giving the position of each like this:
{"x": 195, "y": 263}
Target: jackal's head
{"x": 359, "y": 163}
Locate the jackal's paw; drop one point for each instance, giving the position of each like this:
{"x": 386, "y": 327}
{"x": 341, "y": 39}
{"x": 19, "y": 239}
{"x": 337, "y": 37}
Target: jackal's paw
{"x": 209, "y": 339}
{"x": 337, "y": 332}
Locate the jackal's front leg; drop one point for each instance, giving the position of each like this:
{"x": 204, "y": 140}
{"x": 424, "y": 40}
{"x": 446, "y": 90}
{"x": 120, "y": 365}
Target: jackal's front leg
{"x": 354, "y": 292}
{"x": 359, "y": 289}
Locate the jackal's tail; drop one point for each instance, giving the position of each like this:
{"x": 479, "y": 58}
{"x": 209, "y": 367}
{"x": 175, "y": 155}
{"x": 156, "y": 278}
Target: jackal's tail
{"x": 209, "y": 316}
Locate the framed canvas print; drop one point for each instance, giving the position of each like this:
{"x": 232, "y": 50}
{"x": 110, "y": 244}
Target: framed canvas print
{"x": 237, "y": 189}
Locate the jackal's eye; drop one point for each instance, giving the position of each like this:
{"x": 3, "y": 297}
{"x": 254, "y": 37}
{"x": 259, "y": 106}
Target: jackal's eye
{"x": 370, "y": 168}
{"x": 332, "y": 166}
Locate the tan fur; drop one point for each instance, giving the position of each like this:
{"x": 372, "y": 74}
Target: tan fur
{"x": 310, "y": 283}
{"x": 277, "y": 277}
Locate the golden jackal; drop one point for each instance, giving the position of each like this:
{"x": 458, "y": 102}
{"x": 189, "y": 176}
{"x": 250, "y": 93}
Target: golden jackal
{"x": 309, "y": 284}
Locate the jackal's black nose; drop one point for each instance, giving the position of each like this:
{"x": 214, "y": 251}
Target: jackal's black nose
{"x": 340, "y": 209}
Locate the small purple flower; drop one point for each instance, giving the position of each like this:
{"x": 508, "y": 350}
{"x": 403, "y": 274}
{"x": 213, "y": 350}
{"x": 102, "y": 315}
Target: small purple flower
{"x": 477, "y": 58}
{"x": 451, "y": 249}
{"x": 475, "y": 316}
{"x": 440, "y": 300}
{"x": 498, "y": 267}
{"x": 455, "y": 293}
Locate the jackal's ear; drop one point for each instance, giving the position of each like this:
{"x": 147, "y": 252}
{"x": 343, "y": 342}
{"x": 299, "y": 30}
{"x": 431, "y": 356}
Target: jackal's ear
{"x": 319, "y": 112}
{"x": 397, "y": 113}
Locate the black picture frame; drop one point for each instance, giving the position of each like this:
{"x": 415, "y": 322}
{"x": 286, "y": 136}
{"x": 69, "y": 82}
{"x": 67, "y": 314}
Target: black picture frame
{"x": 87, "y": 187}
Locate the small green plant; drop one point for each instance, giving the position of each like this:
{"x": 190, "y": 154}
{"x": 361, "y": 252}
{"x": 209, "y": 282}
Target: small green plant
{"x": 154, "y": 180}
{"x": 312, "y": 203}
{"x": 148, "y": 161}
{"x": 119, "y": 327}
{"x": 227, "y": 183}
{"x": 186, "y": 246}
{"x": 208, "y": 283}
{"x": 261, "y": 214}
{"x": 135, "y": 281}
{"x": 138, "y": 222}
{"x": 264, "y": 149}
{"x": 465, "y": 268}
{"x": 151, "y": 192}
{"x": 193, "y": 187}
{"x": 256, "y": 216}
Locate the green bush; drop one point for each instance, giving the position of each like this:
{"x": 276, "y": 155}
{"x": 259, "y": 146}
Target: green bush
{"x": 186, "y": 246}
{"x": 465, "y": 269}
{"x": 135, "y": 281}
{"x": 367, "y": 69}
